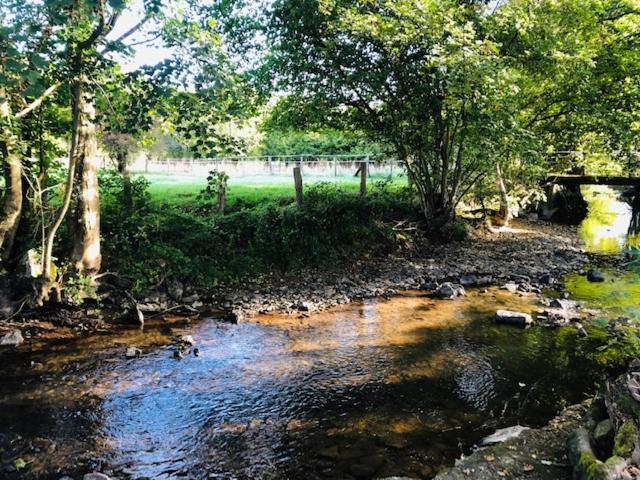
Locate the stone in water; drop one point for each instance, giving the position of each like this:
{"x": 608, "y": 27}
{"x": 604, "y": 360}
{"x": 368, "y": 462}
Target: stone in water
{"x": 513, "y": 318}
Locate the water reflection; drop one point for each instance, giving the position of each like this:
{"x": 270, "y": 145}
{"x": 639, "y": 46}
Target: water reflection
{"x": 383, "y": 388}
{"x": 613, "y": 219}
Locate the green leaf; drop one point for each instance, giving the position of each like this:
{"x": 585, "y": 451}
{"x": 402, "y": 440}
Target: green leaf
{"x": 39, "y": 61}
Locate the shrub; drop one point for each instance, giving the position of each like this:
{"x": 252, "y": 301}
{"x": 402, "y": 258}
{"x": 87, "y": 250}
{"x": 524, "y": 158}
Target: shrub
{"x": 455, "y": 231}
{"x": 152, "y": 243}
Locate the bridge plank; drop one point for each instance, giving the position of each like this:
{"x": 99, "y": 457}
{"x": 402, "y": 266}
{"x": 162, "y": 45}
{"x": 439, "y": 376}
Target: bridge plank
{"x": 592, "y": 180}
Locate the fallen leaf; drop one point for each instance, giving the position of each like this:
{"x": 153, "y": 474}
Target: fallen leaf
{"x": 19, "y": 463}
{"x": 527, "y": 468}
{"x": 489, "y": 458}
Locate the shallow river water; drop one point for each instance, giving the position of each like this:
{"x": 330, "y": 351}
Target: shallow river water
{"x": 380, "y": 388}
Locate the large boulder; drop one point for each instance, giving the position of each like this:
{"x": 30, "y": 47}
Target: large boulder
{"x": 468, "y": 280}
{"x": 508, "y": 317}
{"x": 603, "y": 435}
{"x": 175, "y": 289}
{"x": 30, "y": 264}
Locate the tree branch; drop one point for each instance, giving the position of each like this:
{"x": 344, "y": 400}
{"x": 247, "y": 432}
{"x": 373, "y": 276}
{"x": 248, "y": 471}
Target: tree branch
{"x": 38, "y": 101}
{"x": 90, "y": 40}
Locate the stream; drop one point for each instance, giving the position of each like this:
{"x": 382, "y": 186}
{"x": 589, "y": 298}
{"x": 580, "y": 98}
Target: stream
{"x": 379, "y": 388}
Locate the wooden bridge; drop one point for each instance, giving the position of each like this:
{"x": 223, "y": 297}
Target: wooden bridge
{"x": 576, "y": 180}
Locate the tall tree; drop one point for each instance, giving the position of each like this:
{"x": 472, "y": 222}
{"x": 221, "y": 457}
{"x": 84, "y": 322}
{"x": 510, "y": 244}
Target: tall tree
{"x": 421, "y": 75}
{"x": 28, "y": 62}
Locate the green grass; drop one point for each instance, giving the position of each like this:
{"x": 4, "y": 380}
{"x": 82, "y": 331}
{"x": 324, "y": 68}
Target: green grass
{"x": 176, "y": 189}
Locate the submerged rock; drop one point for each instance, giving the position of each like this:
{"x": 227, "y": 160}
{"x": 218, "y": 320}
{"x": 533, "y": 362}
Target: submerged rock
{"x": 508, "y": 317}
{"x": 448, "y": 291}
{"x": 595, "y": 276}
{"x": 12, "y": 339}
{"x": 96, "y": 476}
{"x": 503, "y": 435}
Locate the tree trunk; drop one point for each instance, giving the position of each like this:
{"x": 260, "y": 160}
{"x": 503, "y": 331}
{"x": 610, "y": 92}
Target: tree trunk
{"x": 503, "y": 216}
{"x": 121, "y": 158}
{"x": 634, "y": 225}
{"x": 86, "y": 239}
{"x": 83, "y": 144}
{"x": 12, "y": 208}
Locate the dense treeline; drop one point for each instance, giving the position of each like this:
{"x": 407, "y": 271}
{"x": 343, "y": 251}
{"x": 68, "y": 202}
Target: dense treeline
{"x": 469, "y": 95}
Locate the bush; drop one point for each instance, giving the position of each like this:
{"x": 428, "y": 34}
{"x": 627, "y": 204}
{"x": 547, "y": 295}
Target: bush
{"x": 455, "y": 231}
{"x": 152, "y": 243}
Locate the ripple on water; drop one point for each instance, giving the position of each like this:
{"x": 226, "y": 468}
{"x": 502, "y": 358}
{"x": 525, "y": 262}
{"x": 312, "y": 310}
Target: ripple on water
{"x": 394, "y": 387}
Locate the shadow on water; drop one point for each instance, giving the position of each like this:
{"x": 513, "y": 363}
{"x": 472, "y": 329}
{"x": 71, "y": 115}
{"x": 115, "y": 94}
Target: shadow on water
{"x": 381, "y": 388}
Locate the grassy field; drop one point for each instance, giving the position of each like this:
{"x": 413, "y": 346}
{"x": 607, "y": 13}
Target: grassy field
{"x": 180, "y": 189}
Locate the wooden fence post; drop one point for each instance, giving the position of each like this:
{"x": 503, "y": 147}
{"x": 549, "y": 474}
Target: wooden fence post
{"x": 297, "y": 180}
{"x": 363, "y": 178}
{"x": 222, "y": 199}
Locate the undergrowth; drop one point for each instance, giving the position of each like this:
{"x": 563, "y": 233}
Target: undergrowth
{"x": 151, "y": 242}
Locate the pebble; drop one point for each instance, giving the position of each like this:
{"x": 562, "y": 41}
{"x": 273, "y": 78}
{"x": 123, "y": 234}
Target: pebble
{"x": 133, "y": 352}
{"x": 595, "y": 276}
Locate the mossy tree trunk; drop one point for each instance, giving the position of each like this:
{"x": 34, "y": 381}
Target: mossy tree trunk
{"x": 12, "y": 166}
{"x": 86, "y": 232}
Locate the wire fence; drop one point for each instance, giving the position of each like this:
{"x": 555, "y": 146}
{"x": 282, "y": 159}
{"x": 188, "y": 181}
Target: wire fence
{"x": 269, "y": 168}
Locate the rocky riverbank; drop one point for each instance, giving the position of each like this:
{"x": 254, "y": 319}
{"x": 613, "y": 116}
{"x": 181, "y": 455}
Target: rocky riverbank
{"x": 525, "y": 258}
{"x": 535, "y": 454}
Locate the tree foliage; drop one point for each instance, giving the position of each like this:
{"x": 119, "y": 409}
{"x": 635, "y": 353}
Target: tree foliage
{"x": 456, "y": 87}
